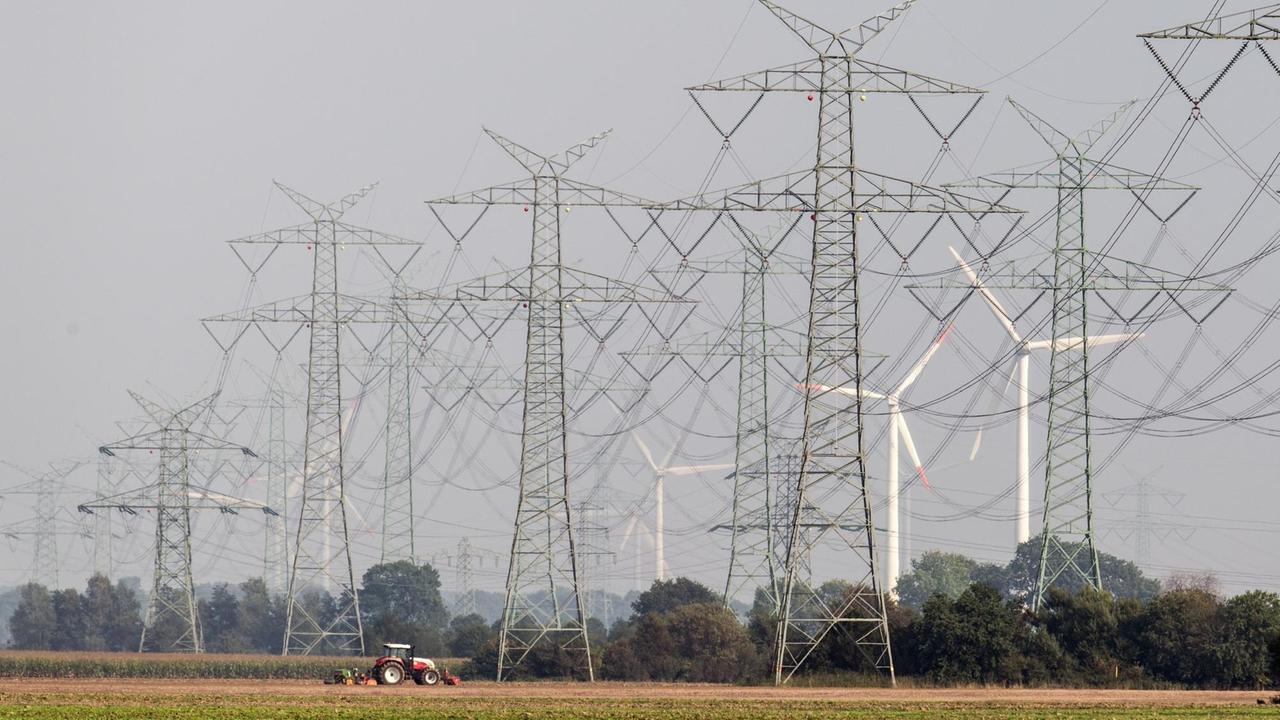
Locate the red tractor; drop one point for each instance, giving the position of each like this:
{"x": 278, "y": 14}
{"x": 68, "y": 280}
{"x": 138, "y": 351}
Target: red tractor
{"x": 399, "y": 662}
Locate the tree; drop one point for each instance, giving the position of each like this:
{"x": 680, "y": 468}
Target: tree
{"x": 935, "y": 573}
{"x": 1121, "y": 578}
{"x": 111, "y": 616}
{"x": 1177, "y": 635}
{"x": 468, "y": 634}
{"x": 34, "y": 621}
{"x": 1250, "y": 626}
{"x": 1086, "y": 626}
{"x": 971, "y": 639}
{"x": 261, "y": 620}
{"x": 667, "y": 595}
{"x": 711, "y": 645}
{"x": 220, "y": 620}
{"x": 402, "y": 603}
{"x": 405, "y": 591}
{"x": 69, "y": 634}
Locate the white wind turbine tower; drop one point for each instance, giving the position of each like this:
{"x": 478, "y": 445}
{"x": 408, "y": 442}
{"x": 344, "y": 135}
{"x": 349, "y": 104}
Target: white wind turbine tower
{"x": 659, "y": 522}
{"x": 1022, "y": 520}
{"x": 634, "y": 523}
{"x": 898, "y": 431}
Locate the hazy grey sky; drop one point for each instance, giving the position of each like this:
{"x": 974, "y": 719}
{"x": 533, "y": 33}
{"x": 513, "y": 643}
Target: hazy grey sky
{"x": 135, "y": 138}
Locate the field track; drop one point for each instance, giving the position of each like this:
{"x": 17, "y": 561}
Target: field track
{"x": 315, "y": 690}
{"x": 92, "y": 699}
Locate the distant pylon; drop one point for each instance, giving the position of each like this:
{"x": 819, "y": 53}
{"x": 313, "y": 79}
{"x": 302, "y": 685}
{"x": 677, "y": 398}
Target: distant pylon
{"x": 465, "y": 601}
{"x": 42, "y": 528}
{"x": 1068, "y": 531}
{"x": 172, "y": 596}
{"x": 397, "y": 497}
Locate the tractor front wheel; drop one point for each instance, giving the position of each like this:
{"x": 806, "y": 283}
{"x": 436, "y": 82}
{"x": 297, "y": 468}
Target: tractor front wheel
{"x": 427, "y": 677}
{"x": 391, "y": 674}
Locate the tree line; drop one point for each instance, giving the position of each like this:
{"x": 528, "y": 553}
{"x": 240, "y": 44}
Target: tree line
{"x": 956, "y": 621}
{"x": 400, "y": 602}
{"x": 952, "y": 621}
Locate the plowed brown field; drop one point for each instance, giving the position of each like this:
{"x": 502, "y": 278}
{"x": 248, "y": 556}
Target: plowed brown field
{"x": 90, "y": 699}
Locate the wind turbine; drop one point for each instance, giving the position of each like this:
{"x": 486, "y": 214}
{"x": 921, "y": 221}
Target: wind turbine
{"x": 898, "y": 431}
{"x": 659, "y": 522}
{"x": 634, "y": 523}
{"x": 1022, "y": 521}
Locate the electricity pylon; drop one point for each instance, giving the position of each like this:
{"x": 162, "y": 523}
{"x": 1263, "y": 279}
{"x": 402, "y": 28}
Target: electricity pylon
{"x": 753, "y": 559}
{"x": 321, "y": 552}
{"x": 1068, "y": 529}
{"x": 397, "y": 496}
{"x": 465, "y": 602}
{"x": 593, "y": 551}
{"x": 832, "y": 502}
{"x": 173, "y": 497}
{"x": 543, "y": 602}
{"x": 42, "y": 528}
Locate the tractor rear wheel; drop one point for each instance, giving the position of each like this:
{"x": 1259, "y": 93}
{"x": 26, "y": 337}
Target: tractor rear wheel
{"x": 427, "y": 677}
{"x": 391, "y": 674}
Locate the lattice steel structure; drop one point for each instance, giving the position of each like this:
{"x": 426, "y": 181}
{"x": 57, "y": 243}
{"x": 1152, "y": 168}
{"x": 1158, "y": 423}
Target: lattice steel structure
{"x": 594, "y": 558}
{"x": 543, "y": 595}
{"x": 172, "y": 498}
{"x": 42, "y": 527}
{"x": 397, "y": 496}
{"x": 1068, "y": 528}
{"x": 753, "y": 558}
{"x": 321, "y": 552}
{"x": 832, "y": 505}
{"x": 465, "y": 602}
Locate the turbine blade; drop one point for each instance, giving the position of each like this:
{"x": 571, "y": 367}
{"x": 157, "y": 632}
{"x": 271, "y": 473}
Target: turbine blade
{"x": 866, "y": 394}
{"x": 919, "y": 366}
{"x": 911, "y": 448}
{"x": 1068, "y": 343}
{"x": 626, "y": 533}
{"x": 1001, "y": 314}
{"x": 696, "y": 469}
{"x": 644, "y": 449}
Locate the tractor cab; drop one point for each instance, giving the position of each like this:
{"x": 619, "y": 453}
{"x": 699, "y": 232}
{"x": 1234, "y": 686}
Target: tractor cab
{"x": 399, "y": 662}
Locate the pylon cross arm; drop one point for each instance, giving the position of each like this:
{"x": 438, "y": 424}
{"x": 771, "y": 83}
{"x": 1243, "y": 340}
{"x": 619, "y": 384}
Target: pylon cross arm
{"x": 524, "y": 192}
{"x": 863, "y": 78}
{"x": 873, "y": 192}
{"x": 351, "y": 309}
{"x": 1094, "y": 175}
{"x": 305, "y": 234}
{"x": 1258, "y": 24}
{"x": 576, "y": 286}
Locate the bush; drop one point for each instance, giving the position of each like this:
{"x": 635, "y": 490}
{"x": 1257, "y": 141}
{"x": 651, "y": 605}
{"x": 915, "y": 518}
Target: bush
{"x": 696, "y": 643}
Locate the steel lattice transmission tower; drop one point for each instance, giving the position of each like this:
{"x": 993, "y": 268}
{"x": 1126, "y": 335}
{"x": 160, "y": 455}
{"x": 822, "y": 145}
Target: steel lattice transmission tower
{"x": 1068, "y": 529}
{"x": 397, "y": 498}
{"x": 832, "y": 505}
{"x": 321, "y": 552}
{"x": 465, "y": 602}
{"x": 42, "y": 528}
{"x": 543, "y": 602}
{"x": 173, "y": 497}
{"x": 754, "y": 559}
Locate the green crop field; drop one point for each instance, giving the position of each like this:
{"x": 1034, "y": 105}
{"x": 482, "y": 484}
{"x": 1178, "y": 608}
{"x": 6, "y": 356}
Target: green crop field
{"x": 49, "y": 699}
